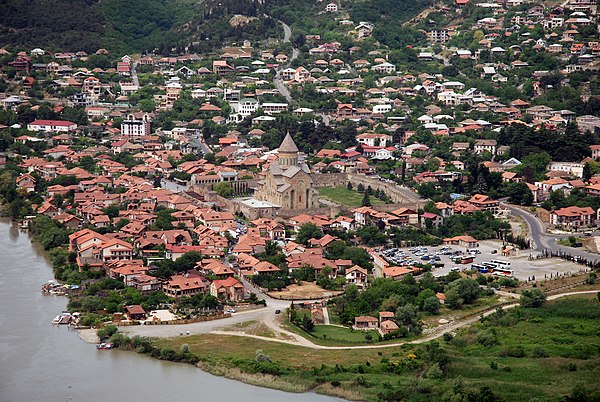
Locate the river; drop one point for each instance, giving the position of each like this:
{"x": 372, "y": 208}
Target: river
{"x": 42, "y": 362}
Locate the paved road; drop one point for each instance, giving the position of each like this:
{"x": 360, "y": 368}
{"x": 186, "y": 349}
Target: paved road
{"x": 542, "y": 240}
{"x": 279, "y": 84}
{"x": 134, "y": 76}
{"x": 287, "y": 35}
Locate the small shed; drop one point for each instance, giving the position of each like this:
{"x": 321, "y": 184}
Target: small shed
{"x": 135, "y": 312}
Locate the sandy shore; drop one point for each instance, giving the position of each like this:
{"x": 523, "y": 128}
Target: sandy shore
{"x": 88, "y": 335}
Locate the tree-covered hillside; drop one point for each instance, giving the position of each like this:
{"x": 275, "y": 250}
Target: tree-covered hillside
{"x": 388, "y": 16}
{"x": 77, "y": 24}
{"x": 125, "y": 26}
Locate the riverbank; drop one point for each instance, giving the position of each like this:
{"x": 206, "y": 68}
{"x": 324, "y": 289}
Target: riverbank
{"x": 88, "y": 335}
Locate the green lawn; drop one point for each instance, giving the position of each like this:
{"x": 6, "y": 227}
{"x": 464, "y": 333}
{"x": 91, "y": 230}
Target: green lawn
{"x": 343, "y": 196}
{"x": 343, "y": 334}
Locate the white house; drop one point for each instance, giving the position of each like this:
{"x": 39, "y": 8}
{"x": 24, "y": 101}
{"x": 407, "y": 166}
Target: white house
{"x": 386, "y": 68}
{"x": 331, "y": 8}
{"x": 571, "y": 168}
{"x": 136, "y": 127}
{"x": 245, "y": 106}
{"x": 56, "y": 126}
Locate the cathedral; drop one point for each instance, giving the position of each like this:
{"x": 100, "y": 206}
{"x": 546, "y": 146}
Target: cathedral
{"x": 287, "y": 182}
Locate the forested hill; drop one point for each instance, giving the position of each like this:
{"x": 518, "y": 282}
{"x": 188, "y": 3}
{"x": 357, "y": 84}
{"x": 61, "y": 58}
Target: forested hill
{"x": 126, "y": 25}
{"x": 388, "y": 16}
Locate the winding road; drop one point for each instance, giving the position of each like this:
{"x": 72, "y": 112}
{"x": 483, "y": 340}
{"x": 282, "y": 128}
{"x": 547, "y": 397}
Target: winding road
{"x": 279, "y": 84}
{"x": 542, "y": 240}
{"x": 217, "y": 326}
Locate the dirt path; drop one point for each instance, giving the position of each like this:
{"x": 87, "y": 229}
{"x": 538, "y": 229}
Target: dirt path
{"x": 301, "y": 341}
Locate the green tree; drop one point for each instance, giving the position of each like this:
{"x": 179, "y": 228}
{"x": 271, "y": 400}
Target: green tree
{"x": 532, "y": 298}
{"x": 366, "y": 201}
{"x": 461, "y": 291}
{"x": 519, "y": 193}
{"x": 371, "y": 235}
{"x": 147, "y": 105}
{"x": 431, "y": 305}
{"x": 308, "y": 231}
{"x": 308, "y": 324}
{"x": 407, "y": 316}
{"x": 224, "y": 189}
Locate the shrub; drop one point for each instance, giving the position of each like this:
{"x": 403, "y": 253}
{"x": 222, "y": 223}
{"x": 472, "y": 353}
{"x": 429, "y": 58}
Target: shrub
{"x": 90, "y": 320}
{"x": 336, "y": 383}
{"x": 532, "y": 298}
{"x": 262, "y": 357}
{"x": 516, "y": 351}
{"x": 486, "y": 338}
{"x": 107, "y": 332}
{"x": 167, "y": 354}
{"x": 572, "y": 367}
{"x": 448, "y": 337}
{"x": 539, "y": 352}
{"x": 591, "y": 279}
{"x": 494, "y": 365}
{"x": 434, "y": 372}
{"x": 185, "y": 348}
{"x": 459, "y": 342}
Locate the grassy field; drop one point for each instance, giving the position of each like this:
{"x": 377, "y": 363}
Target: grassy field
{"x": 343, "y": 196}
{"x": 344, "y": 334}
{"x": 518, "y": 355}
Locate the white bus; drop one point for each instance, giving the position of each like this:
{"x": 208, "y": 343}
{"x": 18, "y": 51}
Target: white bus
{"x": 503, "y": 272}
{"x": 489, "y": 265}
{"x": 479, "y": 267}
{"x": 501, "y": 264}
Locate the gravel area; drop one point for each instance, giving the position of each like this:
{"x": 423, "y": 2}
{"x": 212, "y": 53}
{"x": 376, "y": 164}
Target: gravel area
{"x": 523, "y": 267}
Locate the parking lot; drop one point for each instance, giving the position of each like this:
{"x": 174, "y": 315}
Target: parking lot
{"x": 523, "y": 268}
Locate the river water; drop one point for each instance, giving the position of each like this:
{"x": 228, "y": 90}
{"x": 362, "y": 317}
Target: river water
{"x": 42, "y": 362}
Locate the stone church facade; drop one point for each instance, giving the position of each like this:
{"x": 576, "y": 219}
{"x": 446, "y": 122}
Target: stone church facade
{"x": 288, "y": 181}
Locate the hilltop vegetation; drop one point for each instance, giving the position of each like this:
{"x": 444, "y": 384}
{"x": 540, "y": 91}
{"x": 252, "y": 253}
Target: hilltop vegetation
{"x": 91, "y": 24}
{"x": 199, "y": 25}
{"x": 128, "y": 26}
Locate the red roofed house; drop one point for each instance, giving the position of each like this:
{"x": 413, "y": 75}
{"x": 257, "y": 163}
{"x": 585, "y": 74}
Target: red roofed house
{"x": 573, "y": 217}
{"x": 26, "y": 182}
{"x": 264, "y": 267}
{"x": 407, "y": 216}
{"x": 396, "y": 272}
{"x": 230, "y": 289}
{"x": 388, "y": 327}
{"x": 55, "y": 126}
{"x": 465, "y": 241}
{"x": 485, "y": 202}
{"x": 357, "y": 276}
{"x": 595, "y": 151}
{"x": 115, "y": 249}
{"x": 135, "y": 312}
{"x": 185, "y": 285}
{"x": 365, "y": 323}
